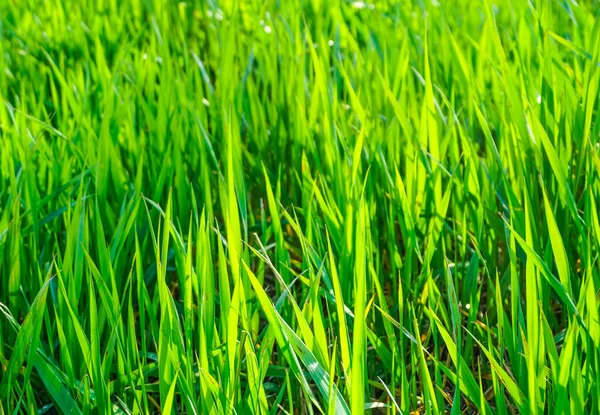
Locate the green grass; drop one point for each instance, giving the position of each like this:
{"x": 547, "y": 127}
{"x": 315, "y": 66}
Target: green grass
{"x": 299, "y": 206}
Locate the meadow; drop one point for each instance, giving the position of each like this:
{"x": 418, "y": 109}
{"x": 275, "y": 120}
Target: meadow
{"x": 299, "y": 207}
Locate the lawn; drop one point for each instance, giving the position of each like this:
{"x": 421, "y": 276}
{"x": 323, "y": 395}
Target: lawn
{"x": 299, "y": 207}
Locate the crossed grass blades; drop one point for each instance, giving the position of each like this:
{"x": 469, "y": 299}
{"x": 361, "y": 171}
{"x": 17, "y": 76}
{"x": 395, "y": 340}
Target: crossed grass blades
{"x": 299, "y": 207}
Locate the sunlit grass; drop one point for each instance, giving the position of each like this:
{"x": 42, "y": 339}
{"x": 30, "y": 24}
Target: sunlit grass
{"x": 299, "y": 207}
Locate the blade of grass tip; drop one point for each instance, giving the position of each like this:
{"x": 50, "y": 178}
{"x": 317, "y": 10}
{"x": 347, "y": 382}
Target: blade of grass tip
{"x": 167, "y": 404}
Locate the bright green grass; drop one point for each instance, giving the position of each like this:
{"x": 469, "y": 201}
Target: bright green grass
{"x": 299, "y": 206}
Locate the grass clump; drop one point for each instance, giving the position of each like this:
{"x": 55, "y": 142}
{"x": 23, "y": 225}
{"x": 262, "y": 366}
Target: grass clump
{"x": 299, "y": 207}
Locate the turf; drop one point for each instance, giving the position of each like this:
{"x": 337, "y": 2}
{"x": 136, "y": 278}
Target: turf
{"x": 299, "y": 206}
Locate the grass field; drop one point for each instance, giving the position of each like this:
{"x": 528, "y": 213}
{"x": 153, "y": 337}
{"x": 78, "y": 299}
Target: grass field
{"x": 299, "y": 206}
